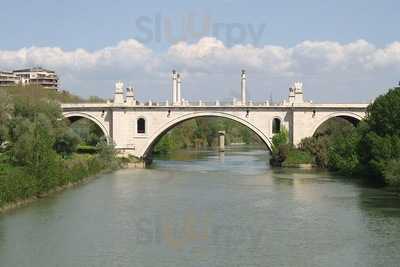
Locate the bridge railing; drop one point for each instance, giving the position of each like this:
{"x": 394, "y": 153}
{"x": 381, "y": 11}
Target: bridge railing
{"x": 201, "y": 103}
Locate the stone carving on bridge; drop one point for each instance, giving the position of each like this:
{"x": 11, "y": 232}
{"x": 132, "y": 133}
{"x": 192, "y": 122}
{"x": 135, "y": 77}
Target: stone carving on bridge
{"x": 298, "y": 86}
{"x": 296, "y": 93}
{"x": 119, "y": 93}
{"x": 119, "y": 86}
{"x": 130, "y": 96}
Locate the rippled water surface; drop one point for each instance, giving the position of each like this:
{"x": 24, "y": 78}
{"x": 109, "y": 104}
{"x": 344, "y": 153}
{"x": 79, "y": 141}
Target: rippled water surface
{"x": 207, "y": 209}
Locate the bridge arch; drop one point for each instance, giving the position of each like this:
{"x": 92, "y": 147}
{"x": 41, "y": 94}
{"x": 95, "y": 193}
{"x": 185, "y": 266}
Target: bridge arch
{"x": 72, "y": 116}
{"x": 171, "y": 124}
{"x": 349, "y": 116}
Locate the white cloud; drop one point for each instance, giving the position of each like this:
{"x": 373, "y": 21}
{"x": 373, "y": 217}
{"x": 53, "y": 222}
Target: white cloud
{"x": 210, "y": 55}
{"x": 125, "y": 54}
{"x": 319, "y": 64}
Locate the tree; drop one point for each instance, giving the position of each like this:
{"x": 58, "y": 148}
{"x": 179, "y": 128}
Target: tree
{"x": 392, "y": 172}
{"x": 383, "y": 115}
{"x": 380, "y": 145}
{"x": 342, "y": 153}
{"x": 67, "y": 143}
{"x": 280, "y": 147}
{"x": 319, "y": 144}
{"x": 44, "y": 162}
{"x": 280, "y": 138}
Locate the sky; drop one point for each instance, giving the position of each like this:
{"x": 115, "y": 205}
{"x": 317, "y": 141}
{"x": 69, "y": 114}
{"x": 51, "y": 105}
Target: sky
{"x": 343, "y": 51}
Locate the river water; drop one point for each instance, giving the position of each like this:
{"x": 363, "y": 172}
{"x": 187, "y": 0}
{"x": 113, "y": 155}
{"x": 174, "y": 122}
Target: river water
{"x": 207, "y": 209}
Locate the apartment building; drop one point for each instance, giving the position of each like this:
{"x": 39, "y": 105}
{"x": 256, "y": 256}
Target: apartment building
{"x": 32, "y": 76}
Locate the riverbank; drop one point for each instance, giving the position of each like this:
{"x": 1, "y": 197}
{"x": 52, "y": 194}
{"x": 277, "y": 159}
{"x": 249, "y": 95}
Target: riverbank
{"x": 19, "y": 203}
{"x": 19, "y": 188}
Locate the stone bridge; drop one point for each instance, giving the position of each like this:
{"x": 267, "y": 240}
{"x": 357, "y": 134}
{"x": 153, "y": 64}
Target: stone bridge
{"x": 135, "y": 127}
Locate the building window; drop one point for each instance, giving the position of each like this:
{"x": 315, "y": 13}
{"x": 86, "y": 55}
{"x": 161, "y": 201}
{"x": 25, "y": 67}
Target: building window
{"x": 141, "y": 126}
{"x": 276, "y": 126}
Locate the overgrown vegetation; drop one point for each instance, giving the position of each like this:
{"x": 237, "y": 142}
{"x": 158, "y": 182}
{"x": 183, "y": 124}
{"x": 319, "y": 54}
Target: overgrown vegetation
{"x": 284, "y": 154}
{"x": 371, "y": 150}
{"x": 37, "y": 147}
{"x": 203, "y": 132}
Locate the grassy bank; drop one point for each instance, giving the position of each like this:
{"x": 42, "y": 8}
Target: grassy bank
{"x": 19, "y": 186}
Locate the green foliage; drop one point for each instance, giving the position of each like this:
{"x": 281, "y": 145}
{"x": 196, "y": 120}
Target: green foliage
{"x": 343, "y": 154}
{"x": 296, "y": 156}
{"x": 380, "y": 144}
{"x": 203, "y": 132}
{"x": 280, "y": 147}
{"x": 318, "y": 146}
{"x": 43, "y": 161}
{"x": 371, "y": 150}
{"x": 67, "y": 143}
{"x": 280, "y": 138}
{"x": 383, "y": 115}
{"x": 89, "y": 133}
{"x": 381, "y": 150}
{"x": 39, "y": 151}
{"x": 392, "y": 172}
{"x": 16, "y": 183}
{"x": 84, "y": 149}
{"x": 107, "y": 154}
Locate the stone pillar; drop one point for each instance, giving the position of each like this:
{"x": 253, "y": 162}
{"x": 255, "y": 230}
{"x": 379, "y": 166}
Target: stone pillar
{"x": 178, "y": 94}
{"x": 119, "y": 93}
{"x": 298, "y": 93}
{"x": 291, "y": 95}
{"x": 130, "y": 96}
{"x": 174, "y": 87}
{"x": 243, "y": 87}
{"x": 221, "y": 141}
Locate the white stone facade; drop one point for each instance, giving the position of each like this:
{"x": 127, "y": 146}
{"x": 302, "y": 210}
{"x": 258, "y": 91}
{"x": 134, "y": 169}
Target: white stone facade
{"x": 119, "y": 119}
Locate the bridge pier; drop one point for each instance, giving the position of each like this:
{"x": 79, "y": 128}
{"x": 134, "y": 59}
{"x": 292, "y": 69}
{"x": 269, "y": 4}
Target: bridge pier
{"x": 221, "y": 141}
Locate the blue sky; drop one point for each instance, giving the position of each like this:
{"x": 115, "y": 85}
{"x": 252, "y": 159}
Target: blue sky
{"x": 327, "y": 27}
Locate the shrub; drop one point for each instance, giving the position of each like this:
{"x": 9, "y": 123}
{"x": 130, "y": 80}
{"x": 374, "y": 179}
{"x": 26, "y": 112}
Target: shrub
{"x": 392, "y": 172}
{"x": 82, "y": 149}
{"x": 16, "y": 184}
{"x": 279, "y": 139}
{"x": 318, "y": 146}
{"x": 342, "y": 153}
{"x": 296, "y": 156}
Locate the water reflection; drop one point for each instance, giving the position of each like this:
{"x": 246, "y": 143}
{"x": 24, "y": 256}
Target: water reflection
{"x": 208, "y": 209}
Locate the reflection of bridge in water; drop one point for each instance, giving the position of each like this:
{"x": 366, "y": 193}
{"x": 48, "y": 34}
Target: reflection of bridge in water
{"x": 135, "y": 127}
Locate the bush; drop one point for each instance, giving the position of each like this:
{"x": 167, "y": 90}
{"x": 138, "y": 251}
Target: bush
{"x": 279, "y": 139}
{"x": 318, "y": 146}
{"x": 17, "y": 184}
{"x": 392, "y": 173}
{"x": 37, "y": 146}
{"x": 343, "y": 156}
{"x": 82, "y": 149}
{"x": 296, "y": 156}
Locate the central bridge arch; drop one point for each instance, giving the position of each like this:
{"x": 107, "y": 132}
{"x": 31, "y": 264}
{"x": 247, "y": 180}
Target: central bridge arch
{"x": 155, "y": 137}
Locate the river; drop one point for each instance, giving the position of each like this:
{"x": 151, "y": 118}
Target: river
{"x": 207, "y": 209}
